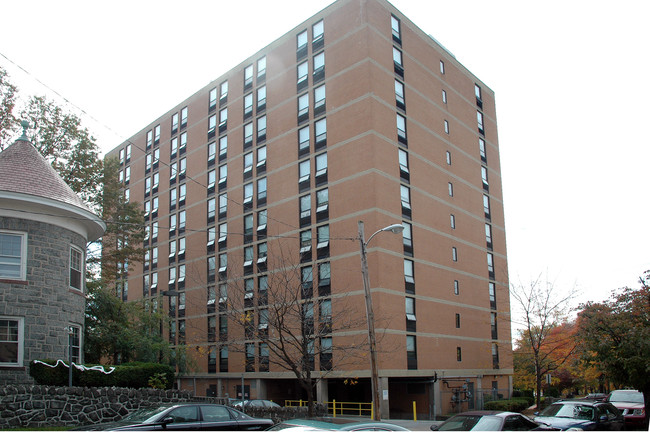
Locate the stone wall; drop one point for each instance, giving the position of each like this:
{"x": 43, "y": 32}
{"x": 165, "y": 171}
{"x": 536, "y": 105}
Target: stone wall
{"x": 45, "y": 406}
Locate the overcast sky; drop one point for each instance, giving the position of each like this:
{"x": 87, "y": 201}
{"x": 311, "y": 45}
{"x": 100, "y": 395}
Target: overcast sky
{"x": 570, "y": 77}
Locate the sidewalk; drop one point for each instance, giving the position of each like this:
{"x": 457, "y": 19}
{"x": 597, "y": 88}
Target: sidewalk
{"x": 420, "y": 425}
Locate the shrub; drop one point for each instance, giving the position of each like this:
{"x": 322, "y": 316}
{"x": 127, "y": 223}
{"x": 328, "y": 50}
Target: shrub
{"x": 514, "y": 405}
{"x": 133, "y": 375}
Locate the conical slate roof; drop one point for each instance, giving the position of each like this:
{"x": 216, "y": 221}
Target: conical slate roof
{"x": 24, "y": 170}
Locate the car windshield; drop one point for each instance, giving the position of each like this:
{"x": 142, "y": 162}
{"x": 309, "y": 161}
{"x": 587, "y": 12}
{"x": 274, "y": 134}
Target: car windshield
{"x": 581, "y": 412}
{"x": 144, "y": 415}
{"x": 472, "y": 422}
{"x": 636, "y": 397}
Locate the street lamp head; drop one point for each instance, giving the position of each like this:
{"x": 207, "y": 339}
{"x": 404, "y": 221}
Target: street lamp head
{"x": 395, "y": 228}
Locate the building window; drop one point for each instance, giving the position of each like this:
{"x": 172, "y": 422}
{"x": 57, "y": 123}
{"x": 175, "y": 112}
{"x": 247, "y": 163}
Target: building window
{"x": 248, "y": 228}
{"x": 13, "y": 255}
{"x": 403, "y": 158}
{"x": 248, "y": 194}
{"x": 444, "y": 97}
{"x": 409, "y": 278}
{"x": 401, "y": 129}
{"x": 405, "y": 196}
{"x": 411, "y": 352}
{"x": 395, "y": 27}
{"x": 493, "y": 295}
{"x": 488, "y": 235}
{"x": 319, "y": 67}
{"x": 261, "y": 129}
{"x": 303, "y": 108}
{"x": 248, "y": 106}
{"x": 223, "y": 120}
{"x": 459, "y": 354}
{"x": 324, "y": 279}
{"x": 479, "y": 120}
{"x": 446, "y": 127}
{"x": 319, "y": 100}
{"x": 322, "y": 204}
{"x": 212, "y": 103}
{"x": 76, "y": 268}
{"x": 223, "y": 205}
{"x": 317, "y": 40}
{"x": 307, "y": 278}
{"x": 223, "y": 359}
{"x": 12, "y": 341}
{"x": 399, "y": 95}
{"x": 457, "y": 320}
{"x": 248, "y": 77}
{"x": 303, "y": 141}
{"x": 490, "y": 263}
{"x": 320, "y": 132}
{"x": 223, "y": 176}
{"x": 407, "y": 238}
{"x": 397, "y": 62}
{"x": 481, "y": 148}
{"x": 305, "y": 210}
{"x": 303, "y": 74}
{"x": 452, "y": 221}
{"x": 322, "y": 241}
{"x": 493, "y": 325}
{"x": 454, "y": 254}
{"x": 262, "y": 217}
{"x": 223, "y": 147}
{"x": 495, "y": 356}
{"x": 305, "y": 245}
{"x": 450, "y": 189}
{"x": 74, "y": 343}
{"x": 442, "y": 67}
{"x": 223, "y": 93}
{"x": 261, "y": 69}
{"x": 184, "y": 117}
{"x": 477, "y": 93}
{"x": 448, "y": 156}
{"x": 261, "y": 191}
{"x": 261, "y": 159}
{"x": 301, "y": 45}
{"x": 486, "y": 206}
{"x": 321, "y": 169}
{"x": 248, "y": 135}
{"x": 410, "y": 314}
{"x": 261, "y": 99}
{"x": 456, "y": 288}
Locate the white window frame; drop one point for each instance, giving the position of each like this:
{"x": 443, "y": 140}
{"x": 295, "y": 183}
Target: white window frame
{"x": 23, "y": 254}
{"x": 80, "y": 269}
{"x": 20, "y": 355}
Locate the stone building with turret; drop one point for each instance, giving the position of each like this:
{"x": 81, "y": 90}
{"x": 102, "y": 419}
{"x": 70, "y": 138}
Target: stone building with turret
{"x": 44, "y": 229}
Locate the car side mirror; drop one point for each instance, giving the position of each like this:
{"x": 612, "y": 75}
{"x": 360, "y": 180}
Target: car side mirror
{"x": 433, "y": 427}
{"x": 603, "y": 418}
{"x": 536, "y": 413}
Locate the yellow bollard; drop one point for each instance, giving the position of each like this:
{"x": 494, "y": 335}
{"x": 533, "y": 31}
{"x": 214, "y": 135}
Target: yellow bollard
{"x": 372, "y": 411}
{"x": 415, "y": 412}
{"x": 334, "y": 407}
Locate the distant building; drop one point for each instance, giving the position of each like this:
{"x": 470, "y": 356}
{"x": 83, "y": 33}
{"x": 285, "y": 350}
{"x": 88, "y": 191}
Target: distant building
{"x": 44, "y": 229}
{"x": 355, "y": 114}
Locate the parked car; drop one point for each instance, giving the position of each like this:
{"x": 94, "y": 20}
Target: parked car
{"x": 581, "y": 414}
{"x": 632, "y": 404}
{"x": 597, "y": 396}
{"x": 255, "y": 403}
{"x": 189, "y": 416}
{"x": 335, "y": 423}
{"x": 489, "y": 421}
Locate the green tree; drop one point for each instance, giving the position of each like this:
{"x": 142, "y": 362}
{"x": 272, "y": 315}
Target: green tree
{"x": 615, "y": 337}
{"x": 8, "y": 95}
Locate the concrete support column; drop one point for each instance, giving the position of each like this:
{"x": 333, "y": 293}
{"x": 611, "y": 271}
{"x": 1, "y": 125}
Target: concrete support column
{"x": 437, "y": 399}
{"x": 322, "y": 394}
{"x": 384, "y": 403}
{"x": 261, "y": 389}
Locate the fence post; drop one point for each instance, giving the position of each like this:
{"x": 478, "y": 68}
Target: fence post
{"x": 415, "y": 411}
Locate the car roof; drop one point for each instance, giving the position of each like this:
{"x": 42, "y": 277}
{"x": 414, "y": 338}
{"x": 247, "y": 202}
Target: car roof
{"x": 489, "y": 412}
{"x": 331, "y": 422}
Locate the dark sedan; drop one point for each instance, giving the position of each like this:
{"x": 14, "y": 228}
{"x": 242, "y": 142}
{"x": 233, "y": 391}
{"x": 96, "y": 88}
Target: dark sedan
{"x": 489, "y": 421}
{"x": 185, "y": 417}
{"x": 581, "y": 414}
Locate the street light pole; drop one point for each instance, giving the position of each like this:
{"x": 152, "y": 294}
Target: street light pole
{"x": 370, "y": 316}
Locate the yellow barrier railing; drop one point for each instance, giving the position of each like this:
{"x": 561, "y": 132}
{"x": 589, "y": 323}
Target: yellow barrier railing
{"x": 358, "y": 409}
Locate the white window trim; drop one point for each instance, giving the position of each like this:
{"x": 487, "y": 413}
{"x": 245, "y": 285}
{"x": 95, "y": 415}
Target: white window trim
{"x": 21, "y": 341}
{"x": 82, "y": 278}
{"x": 23, "y": 254}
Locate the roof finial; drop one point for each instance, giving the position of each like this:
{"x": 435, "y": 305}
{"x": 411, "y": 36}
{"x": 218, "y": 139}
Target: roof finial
{"x": 25, "y": 126}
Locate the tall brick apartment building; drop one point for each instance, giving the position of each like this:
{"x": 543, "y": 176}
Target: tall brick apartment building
{"x": 353, "y": 115}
